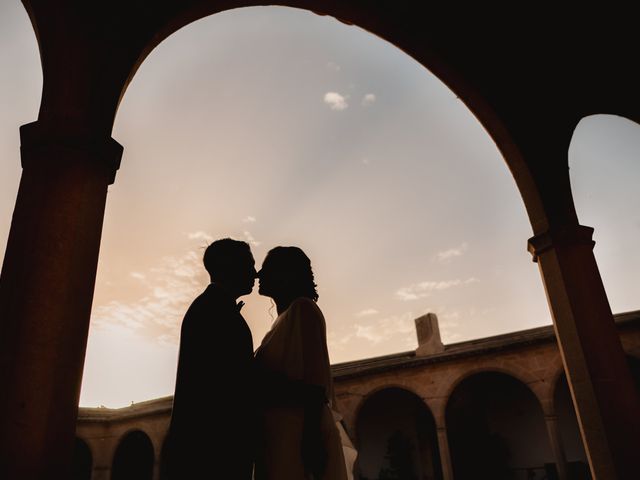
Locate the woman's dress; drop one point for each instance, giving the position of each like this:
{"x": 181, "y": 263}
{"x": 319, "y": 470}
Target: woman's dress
{"x": 296, "y": 347}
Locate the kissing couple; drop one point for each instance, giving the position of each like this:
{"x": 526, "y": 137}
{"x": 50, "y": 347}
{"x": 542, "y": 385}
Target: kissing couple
{"x": 266, "y": 415}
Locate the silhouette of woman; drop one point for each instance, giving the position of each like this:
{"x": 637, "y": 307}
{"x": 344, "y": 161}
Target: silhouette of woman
{"x": 298, "y": 438}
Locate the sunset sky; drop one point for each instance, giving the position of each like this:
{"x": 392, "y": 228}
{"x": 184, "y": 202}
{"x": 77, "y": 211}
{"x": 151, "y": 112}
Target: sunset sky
{"x": 281, "y": 127}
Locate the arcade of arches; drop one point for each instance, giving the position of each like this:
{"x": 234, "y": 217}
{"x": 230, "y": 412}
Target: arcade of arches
{"x": 496, "y": 408}
{"x": 528, "y": 86}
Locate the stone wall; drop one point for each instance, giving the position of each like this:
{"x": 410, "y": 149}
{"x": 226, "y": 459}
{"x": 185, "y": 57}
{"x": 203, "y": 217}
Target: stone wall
{"x": 530, "y": 356}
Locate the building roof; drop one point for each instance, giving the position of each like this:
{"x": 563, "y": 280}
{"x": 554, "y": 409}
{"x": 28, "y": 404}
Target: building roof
{"x": 470, "y": 348}
{"x": 367, "y": 366}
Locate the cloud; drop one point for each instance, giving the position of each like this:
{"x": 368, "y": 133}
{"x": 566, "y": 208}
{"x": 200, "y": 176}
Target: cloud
{"x": 249, "y": 219}
{"x": 449, "y": 326}
{"x": 368, "y": 99}
{"x": 250, "y": 240}
{"x": 333, "y": 66}
{"x": 200, "y": 235}
{"x": 386, "y": 328}
{"x": 171, "y": 287}
{"x": 137, "y": 275}
{"x": 338, "y": 342}
{"x": 367, "y": 312}
{"x": 425, "y": 289}
{"x": 369, "y": 333}
{"x": 398, "y": 330}
{"x": 335, "y": 101}
{"x": 447, "y": 255}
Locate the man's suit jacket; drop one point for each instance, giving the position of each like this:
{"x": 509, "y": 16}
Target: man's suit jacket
{"x": 212, "y": 422}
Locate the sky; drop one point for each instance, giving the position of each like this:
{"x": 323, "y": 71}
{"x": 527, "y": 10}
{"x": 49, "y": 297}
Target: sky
{"x": 280, "y": 127}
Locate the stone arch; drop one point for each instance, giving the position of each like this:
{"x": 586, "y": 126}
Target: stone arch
{"x": 378, "y": 388}
{"x": 634, "y": 366}
{"x": 122, "y": 60}
{"x": 597, "y": 162}
{"x": 133, "y": 458}
{"x": 82, "y": 460}
{"x": 568, "y": 429}
{"x": 522, "y": 378}
{"x": 372, "y": 20}
{"x": 548, "y": 390}
{"x": 88, "y": 58}
{"x": 396, "y": 434}
{"x": 496, "y": 428}
{"x": 557, "y": 376}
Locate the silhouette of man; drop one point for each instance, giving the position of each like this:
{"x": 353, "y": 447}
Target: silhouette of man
{"x": 211, "y": 431}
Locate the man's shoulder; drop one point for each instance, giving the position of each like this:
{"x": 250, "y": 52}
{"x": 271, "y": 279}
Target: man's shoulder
{"x": 210, "y": 296}
{"x": 211, "y": 302}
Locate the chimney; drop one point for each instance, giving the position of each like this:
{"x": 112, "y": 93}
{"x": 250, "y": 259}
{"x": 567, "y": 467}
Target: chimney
{"x": 428, "y": 335}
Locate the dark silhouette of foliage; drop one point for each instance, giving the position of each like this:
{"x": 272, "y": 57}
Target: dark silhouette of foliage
{"x": 400, "y": 457}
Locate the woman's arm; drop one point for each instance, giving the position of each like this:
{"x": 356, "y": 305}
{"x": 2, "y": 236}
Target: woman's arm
{"x": 276, "y": 389}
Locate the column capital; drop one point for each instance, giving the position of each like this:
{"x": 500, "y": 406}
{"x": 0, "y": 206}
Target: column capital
{"x": 43, "y": 143}
{"x": 560, "y": 237}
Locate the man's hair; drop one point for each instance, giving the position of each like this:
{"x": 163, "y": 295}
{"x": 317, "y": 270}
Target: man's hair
{"x": 221, "y": 255}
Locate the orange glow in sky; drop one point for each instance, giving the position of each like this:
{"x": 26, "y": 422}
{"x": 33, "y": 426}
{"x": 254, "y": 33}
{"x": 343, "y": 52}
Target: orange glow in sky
{"x": 281, "y": 127}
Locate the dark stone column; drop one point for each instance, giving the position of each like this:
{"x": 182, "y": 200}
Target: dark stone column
{"x": 445, "y": 453}
{"x": 555, "y": 441}
{"x": 603, "y": 392}
{"x": 46, "y": 290}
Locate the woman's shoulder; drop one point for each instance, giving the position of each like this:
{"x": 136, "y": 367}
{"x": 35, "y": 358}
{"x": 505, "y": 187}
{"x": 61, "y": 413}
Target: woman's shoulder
{"x": 305, "y": 306}
{"x": 304, "y": 302}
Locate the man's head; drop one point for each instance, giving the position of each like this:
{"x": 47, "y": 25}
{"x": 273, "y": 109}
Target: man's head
{"x": 230, "y": 264}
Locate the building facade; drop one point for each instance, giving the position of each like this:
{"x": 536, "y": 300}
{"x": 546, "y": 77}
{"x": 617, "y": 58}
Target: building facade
{"x": 497, "y": 407}
{"x": 91, "y": 53}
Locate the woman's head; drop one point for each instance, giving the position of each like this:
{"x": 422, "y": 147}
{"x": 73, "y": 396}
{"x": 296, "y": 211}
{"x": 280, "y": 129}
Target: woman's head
{"x": 286, "y": 273}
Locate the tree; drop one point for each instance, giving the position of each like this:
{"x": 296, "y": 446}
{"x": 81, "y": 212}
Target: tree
{"x": 400, "y": 458}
